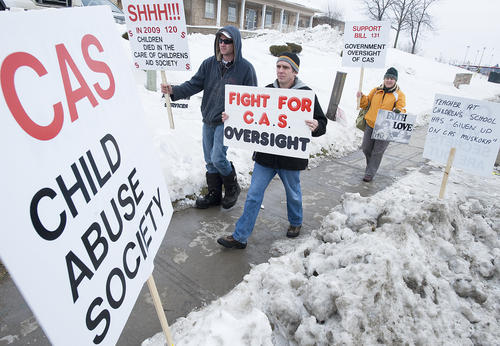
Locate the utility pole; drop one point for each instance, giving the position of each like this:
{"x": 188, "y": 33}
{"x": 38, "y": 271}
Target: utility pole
{"x": 491, "y": 56}
{"x": 484, "y": 48}
{"x": 466, "y": 52}
{"x": 475, "y": 59}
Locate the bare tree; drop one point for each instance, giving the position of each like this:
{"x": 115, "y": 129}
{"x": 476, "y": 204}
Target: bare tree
{"x": 377, "y": 8}
{"x": 417, "y": 19}
{"x": 400, "y": 10}
{"x": 334, "y": 12}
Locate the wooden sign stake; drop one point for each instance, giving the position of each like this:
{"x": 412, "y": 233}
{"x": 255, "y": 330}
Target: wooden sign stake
{"x": 159, "y": 309}
{"x": 447, "y": 172}
{"x": 361, "y": 74}
{"x": 167, "y": 98}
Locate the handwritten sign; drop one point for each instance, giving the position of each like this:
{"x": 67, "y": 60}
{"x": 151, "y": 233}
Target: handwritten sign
{"x": 157, "y": 34}
{"x": 471, "y": 126}
{"x": 269, "y": 120}
{"x": 87, "y": 206}
{"x": 365, "y": 44}
{"x": 393, "y": 127}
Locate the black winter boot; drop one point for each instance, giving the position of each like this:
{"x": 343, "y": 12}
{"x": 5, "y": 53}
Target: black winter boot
{"x": 231, "y": 189}
{"x": 214, "y": 195}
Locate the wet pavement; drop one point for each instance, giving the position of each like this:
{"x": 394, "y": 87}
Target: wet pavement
{"x": 191, "y": 269}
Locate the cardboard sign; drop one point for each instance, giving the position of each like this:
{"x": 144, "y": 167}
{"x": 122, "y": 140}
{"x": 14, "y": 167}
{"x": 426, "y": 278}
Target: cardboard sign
{"x": 470, "y": 126}
{"x": 365, "y": 44}
{"x": 393, "y": 127}
{"x": 157, "y": 34}
{"x": 85, "y": 203}
{"x": 269, "y": 120}
{"x": 462, "y": 78}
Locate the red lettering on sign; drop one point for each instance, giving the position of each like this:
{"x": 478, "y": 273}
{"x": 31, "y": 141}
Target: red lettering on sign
{"x": 73, "y": 96}
{"x": 264, "y": 119}
{"x": 7, "y": 73}
{"x": 282, "y": 120}
{"x": 14, "y": 61}
{"x": 248, "y": 117}
{"x": 98, "y": 66}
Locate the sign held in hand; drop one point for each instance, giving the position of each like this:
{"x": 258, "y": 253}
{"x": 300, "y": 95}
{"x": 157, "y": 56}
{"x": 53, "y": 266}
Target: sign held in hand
{"x": 365, "y": 44}
{"x": 393, "y": 127}
{"x": 157, "y": 34}
{"x": 270, "y": 120}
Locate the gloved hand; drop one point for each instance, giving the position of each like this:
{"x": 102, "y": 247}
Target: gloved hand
{"x": 397, "y": 111}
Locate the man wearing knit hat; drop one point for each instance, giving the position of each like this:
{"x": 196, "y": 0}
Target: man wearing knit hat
{"x": 268, "y": 165}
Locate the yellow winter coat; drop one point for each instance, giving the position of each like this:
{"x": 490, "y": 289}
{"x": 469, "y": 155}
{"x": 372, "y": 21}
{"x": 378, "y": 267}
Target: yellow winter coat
{"x": 380, "y": 100}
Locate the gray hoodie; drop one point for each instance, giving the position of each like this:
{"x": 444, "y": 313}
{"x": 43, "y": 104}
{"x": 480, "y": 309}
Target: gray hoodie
{"x": 211, "y": 78}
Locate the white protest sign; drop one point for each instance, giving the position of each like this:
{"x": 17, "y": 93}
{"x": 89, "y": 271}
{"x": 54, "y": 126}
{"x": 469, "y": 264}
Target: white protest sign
{"x": 157, "y": 34}
{"x": 85, "y": 203}
{"x": 393, "y": 127}
{"x": 470, "y": 126}
{"x": 269, "y": 120}
{"x": 365, "y": 44}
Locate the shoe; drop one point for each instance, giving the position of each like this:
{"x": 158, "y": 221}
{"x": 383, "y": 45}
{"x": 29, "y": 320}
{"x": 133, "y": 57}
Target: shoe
{"x": 231, "y": 189}
{"x": 214, "y": 195}
{"x": 293, "y": 231}
{"x": 230, "y": 242}
{"x": 367, "y": 178}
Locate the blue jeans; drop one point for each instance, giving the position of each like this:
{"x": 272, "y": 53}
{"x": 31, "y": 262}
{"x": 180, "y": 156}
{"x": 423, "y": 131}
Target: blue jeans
{"x": 214, "y": 150}
{"x": 261, "y": 177}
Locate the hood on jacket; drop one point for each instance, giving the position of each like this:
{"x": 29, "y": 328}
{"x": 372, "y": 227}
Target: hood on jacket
{"x": 236, "y": 37}
{"x": 297, "y": 84}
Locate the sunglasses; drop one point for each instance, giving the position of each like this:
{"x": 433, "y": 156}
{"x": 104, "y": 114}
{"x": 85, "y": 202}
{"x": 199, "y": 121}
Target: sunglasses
{"x": 225, "y": 40}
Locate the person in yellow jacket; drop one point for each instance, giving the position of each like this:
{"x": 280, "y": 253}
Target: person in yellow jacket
{"x": 387, "y": 96}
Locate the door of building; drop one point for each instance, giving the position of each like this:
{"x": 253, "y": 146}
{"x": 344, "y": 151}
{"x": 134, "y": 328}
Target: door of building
{"x": 251, "y": 19}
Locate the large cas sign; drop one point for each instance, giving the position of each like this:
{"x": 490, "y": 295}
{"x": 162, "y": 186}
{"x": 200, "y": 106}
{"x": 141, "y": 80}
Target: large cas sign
{"x": 157, "y": 34}
{"x": 85, "y": 204}
{"x": 470, "y": 126}
{"x": 269, "y": 120}
{"x": 365, "y": 44}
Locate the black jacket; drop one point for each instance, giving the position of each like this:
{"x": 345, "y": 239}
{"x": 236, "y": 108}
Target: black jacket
{"x": 286, "y": 162}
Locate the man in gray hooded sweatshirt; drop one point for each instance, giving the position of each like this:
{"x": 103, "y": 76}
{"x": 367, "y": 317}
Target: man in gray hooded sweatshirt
{"x": 227, "y": 66}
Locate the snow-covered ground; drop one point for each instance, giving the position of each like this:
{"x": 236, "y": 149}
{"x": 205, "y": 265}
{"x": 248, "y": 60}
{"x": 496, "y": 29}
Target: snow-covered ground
{"x": 400, "y": 267}
{"x": 180, "y": 150}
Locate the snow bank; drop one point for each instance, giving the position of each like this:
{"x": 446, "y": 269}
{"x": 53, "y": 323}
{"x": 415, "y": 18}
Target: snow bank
{"x": 400, "y": 267}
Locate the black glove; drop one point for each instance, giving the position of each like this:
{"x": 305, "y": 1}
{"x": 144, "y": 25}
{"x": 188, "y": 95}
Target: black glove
{"x": 397, "y": 111}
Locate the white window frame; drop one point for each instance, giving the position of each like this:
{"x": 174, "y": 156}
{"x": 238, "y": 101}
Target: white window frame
{"x": 269, "y": 15}
{"x": 285, "y": 18}
{"x": 229, "y": 7}
{"x": 208, "y": 4}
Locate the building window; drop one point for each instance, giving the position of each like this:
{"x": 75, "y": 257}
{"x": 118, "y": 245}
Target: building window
{"x": 209, "y": 8}
{"x": 285, "y": 18}
{"x": 269, "y": 19}
{"x": 251, "y": 19}
{"x": 232, "y": 10}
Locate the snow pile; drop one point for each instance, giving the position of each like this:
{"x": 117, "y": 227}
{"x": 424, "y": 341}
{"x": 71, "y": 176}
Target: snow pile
{"x": 400, "y": 267}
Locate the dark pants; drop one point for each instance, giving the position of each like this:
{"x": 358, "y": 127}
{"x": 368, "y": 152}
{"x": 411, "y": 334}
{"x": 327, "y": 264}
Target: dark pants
{"x": 374, "y": 150}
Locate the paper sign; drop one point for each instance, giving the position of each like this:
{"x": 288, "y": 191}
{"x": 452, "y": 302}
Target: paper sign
{"x": 365, "y": 44}
{"x": 157, "y": 34}
{"x": 269, "y": 120}
{"x": 470, "y": 126}
{"x": 85, "y": 205}
{"x": 393, "y": 127}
